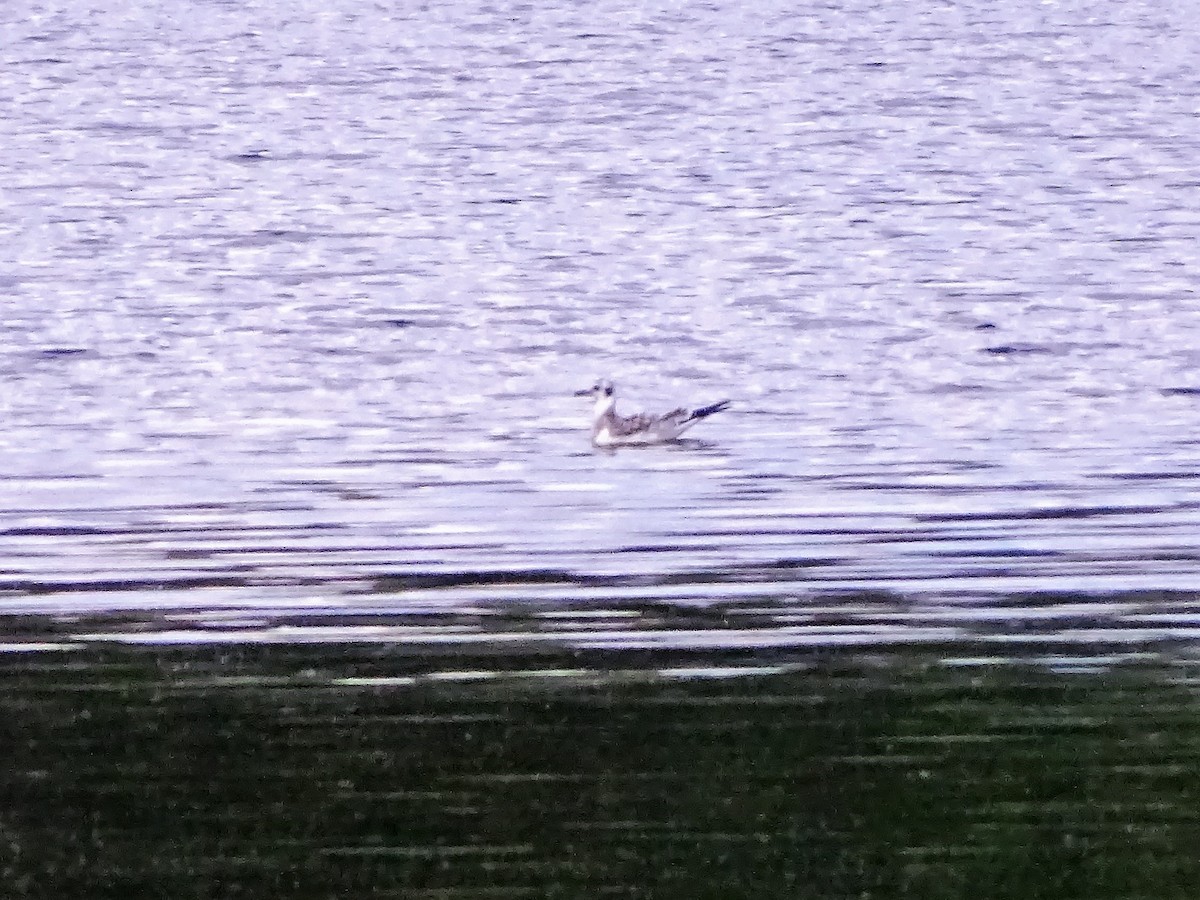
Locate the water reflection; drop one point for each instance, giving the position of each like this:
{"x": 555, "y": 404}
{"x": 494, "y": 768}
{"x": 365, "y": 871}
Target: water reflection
{"x": 252, "y": 770}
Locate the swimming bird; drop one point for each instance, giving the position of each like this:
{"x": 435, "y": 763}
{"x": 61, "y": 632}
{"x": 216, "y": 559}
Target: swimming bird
{"x": 612, "y": 430}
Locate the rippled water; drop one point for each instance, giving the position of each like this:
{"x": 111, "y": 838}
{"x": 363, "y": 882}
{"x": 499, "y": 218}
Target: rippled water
{"x": 295, "y": 297}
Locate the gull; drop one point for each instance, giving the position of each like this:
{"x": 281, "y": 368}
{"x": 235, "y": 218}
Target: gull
{"x": 612, "y": 430}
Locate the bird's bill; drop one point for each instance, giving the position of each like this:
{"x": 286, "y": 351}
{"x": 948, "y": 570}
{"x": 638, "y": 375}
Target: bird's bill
{"x": 586, "y": 392}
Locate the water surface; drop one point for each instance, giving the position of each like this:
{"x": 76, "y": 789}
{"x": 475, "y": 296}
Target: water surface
{"x": 294, "y": 299}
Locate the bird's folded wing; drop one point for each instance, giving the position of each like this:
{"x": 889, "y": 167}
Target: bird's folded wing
{"x": 623, "y": 426}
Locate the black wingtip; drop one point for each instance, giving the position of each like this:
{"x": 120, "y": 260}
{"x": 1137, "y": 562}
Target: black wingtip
{"x": 709, "y": 410}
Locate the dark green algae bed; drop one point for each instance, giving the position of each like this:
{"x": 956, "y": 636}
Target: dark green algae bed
{"x": 360, "y": 770}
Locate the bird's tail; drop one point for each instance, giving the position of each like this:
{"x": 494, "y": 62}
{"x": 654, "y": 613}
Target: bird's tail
{"x": 704, "y": 411}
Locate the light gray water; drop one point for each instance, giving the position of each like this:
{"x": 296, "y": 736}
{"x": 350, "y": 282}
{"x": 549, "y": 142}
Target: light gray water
{"x": 295, "y": 297}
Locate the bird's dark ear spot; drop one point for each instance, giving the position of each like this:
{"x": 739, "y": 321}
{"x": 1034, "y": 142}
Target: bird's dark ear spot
{"x": 608, "y": 390}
